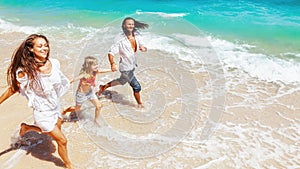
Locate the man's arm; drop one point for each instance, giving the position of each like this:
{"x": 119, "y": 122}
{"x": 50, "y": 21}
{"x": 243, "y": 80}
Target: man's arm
{"x": 112, "y": 63}
{"x": 143, "y": 49}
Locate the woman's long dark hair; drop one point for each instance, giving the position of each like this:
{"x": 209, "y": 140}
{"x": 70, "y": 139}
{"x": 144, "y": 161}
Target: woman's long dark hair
{"x": 23, "y": 58}
{"x": 137, "y": 25}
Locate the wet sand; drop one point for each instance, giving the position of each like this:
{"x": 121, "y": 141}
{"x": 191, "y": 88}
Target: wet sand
{"x": 258, "y": 128}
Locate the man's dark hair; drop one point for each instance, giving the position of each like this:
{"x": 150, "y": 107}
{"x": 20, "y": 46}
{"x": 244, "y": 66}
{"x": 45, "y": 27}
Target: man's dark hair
{"x": 137, "y": 25}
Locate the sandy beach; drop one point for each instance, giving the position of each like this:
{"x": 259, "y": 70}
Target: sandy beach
{"x": 259, "y": 122}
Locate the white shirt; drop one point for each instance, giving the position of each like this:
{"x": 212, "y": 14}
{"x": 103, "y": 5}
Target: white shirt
{"x": 127, "y": 54}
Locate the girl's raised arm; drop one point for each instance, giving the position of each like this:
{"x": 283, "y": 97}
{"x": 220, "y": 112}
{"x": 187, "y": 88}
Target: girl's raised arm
{"x": 104, "y": 71}
{"x": 77, "y": 78}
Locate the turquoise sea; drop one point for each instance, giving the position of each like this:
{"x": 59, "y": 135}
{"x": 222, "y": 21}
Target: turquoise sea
{"x": 270, "y": 30}
{"x": 220, "y": 80}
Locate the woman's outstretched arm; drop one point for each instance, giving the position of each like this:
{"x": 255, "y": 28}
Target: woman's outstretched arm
{"x": 9, "y": 92}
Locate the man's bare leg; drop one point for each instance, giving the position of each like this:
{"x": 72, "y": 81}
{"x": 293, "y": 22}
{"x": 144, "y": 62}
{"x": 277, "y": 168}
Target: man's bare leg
{"x": 138, "y": 99}
{"x": 107, "y": 85}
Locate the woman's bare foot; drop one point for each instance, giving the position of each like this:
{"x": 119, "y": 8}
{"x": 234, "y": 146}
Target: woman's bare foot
{"x": 69, "y": 166}
{"x": 23, "y": 129}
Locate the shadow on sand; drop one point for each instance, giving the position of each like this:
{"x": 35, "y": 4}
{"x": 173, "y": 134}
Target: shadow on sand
{"x": 38, "y": 145}
{"x": 116, "y": 97}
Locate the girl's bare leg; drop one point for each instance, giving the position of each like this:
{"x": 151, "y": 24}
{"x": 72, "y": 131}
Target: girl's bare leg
{"x": 97, "y": 104}
{"x": 77, "y": 109}
{"x": 69, "y": 109}
{"x": 61, "y": 140}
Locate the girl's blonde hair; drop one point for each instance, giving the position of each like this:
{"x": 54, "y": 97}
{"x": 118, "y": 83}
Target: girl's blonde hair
{"x": 88, "y": 62}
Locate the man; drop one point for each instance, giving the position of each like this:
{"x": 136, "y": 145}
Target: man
{"x": 126, "y": 47}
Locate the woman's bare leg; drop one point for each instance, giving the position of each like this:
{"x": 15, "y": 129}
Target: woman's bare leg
{"x": 59, "y": 123}
{"x": 61, "y": 140}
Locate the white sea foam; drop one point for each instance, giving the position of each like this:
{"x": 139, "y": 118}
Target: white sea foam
{"x": 173, "y": 47}
{"x": 241, "y": 145}
{"x": 258, "y": 65}
{"x": 231, "y": 55}
{"x": 244, "y": 145}
{"x": 68, "y": 28}
{"x": 291, "y": 54}
{"x": 163, "y": 14}
{"x": 6, "y": 27}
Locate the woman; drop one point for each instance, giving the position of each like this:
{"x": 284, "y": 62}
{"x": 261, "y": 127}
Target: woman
{"x": 39, "y": 79}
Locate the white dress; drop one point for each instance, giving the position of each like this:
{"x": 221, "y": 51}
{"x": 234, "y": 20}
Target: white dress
{"x": 45, "y": 100}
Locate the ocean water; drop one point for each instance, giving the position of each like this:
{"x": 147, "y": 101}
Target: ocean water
{"x": 199, "y": 52}
{"x": 260, "y": 32}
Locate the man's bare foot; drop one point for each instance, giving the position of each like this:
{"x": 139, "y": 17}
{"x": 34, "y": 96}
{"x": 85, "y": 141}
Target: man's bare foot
{"x": 140, "y": 106}
{"x": 23, "y": 129}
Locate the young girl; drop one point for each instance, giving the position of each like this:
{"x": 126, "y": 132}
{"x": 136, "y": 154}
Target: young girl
{"x": 39, "y": 79}
{"x": 85, "y": 90}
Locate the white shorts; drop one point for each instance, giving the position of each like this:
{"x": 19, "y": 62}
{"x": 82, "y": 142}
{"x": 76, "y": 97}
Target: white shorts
{"x": 46, "y": 120}
{"x": 82, "y": 97}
